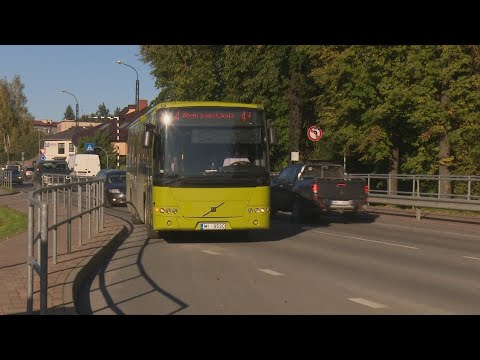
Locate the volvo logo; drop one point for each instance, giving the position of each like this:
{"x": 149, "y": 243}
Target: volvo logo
{"x": 213, "y": 209}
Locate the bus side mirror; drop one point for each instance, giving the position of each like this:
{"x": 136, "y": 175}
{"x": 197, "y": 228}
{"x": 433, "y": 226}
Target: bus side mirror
{"x": 272, "y": 134}
{"x": 147, "y": 136}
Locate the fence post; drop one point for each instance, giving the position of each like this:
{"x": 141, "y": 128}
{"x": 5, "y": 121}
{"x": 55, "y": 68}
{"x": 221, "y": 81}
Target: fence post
{"x": 44, "y": 260}
{"x": 30, "y": 257}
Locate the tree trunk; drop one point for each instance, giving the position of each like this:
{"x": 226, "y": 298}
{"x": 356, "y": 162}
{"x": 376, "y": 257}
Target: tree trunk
{"x": 445, "y": 188}
{"x": 392, "y": 178}
{"x": 296, "y": 118}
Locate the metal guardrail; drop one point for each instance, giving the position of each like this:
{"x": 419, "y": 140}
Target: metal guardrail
{"x": 424, "y": 191}
{"x": 6, "y": 179}
{"x": 465, "y": 187}
{"x": 47, "y": 200}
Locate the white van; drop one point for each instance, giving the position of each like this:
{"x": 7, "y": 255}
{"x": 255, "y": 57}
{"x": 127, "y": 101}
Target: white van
{"x": 84, "y": 164}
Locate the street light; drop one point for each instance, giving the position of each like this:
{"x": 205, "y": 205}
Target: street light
{"x": 137, "y": 85}
{"x": 76, "y": 108}
{"x": 98, "y": 147}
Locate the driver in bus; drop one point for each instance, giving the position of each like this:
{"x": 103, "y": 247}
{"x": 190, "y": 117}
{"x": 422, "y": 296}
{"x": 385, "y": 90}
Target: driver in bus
{"x": 174, "y": 164}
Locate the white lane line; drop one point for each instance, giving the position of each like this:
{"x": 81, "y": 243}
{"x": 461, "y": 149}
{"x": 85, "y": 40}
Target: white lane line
{"x": 271, "y": 272}
{"x": 471, "y": 257}
{"x": 211, "y": 252}
{"x": 368, "y": 303}
{"x": 361, "y": 239}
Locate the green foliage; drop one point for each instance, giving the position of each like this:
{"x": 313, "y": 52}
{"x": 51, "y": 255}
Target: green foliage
{"x": 69, "y": 114}
{"x": 16, "y": 129}
{"x": 102, "y": 111}
{"x": 185, "y": 72}
{"x": 11, "y": 222}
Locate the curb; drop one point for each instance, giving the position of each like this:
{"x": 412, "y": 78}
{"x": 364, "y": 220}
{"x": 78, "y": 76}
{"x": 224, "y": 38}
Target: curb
{"x": 85, "y": 272}
{"x": 10, "y": 193}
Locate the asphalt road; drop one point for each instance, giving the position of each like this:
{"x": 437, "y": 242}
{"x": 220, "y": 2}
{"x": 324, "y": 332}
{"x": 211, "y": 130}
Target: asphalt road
{"x": 375, "y": 264}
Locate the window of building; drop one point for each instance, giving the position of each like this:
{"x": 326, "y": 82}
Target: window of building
{"x": 71, "y": 148}
{"x": 61, "y": 148}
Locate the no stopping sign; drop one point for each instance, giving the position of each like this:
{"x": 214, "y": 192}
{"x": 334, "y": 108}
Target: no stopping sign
{"x": 314, "y": 133}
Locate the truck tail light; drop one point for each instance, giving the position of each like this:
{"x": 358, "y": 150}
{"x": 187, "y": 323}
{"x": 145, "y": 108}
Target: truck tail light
{"x": 341, "y": 184}
{"x": 315, "y": 191}
{"x": 365, "y": 189}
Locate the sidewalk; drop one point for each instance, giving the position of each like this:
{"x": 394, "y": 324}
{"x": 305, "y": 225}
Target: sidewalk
{"x": 63, "y": 276}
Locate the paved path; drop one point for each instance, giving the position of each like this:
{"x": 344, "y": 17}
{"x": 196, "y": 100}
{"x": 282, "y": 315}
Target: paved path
{"x": 61, "y": 276}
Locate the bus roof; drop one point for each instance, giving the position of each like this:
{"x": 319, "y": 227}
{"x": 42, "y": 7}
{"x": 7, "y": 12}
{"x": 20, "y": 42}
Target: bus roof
{"x": 176, "y": 104}
{"x": 182, "y": 104}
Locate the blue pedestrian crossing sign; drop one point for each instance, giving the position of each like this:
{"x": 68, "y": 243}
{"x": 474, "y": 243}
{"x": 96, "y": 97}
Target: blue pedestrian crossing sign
{"x": 89, "y": 146}
{"x": 43, "y": 158}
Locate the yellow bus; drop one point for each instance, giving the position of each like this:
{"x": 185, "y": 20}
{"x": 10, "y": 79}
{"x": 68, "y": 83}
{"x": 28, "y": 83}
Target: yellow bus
{"x": 200, "y": 166}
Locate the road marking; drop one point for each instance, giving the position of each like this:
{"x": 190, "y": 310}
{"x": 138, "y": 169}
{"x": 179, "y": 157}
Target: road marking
{"x": 271, "y": 272}
{"x": 471, "y": 257}
{"x": 211, "y": 252}
{"x": 368, "y": 303}
{"x": 361, "y": 239}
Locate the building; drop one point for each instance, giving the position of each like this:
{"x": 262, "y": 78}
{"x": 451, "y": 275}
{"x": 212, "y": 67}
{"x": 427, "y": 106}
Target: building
{"x": 110, "y": 124}
{"x": 47, "y": 126}
{"x": 68, "y": 124}
{"x": 62, "y": 137}
{"x": 59, "y": 146}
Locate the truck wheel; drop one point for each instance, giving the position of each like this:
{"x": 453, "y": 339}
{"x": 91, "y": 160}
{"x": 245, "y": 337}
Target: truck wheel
{"x": 298, "y": 211}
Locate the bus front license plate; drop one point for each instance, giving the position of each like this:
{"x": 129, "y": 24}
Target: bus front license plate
{"x": 213, "y": 226}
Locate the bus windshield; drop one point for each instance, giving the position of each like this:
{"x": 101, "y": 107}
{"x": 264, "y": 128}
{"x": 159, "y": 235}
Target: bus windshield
{"x": 210, "y": 143}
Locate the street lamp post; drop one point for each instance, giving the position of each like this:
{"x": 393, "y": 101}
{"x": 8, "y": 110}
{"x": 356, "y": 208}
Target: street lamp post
{"x": 76, "y": 108}
{"x": 137, "y": 85}
{"x": 106, "y": 154}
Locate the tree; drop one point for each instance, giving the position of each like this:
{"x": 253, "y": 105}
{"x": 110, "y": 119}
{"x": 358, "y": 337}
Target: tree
{"x": 185, "y": 72}
{"x": 69, "y": 114}
{"x": 16, "y": 128}
{"x": 365, "y": 101}
{"x": 6, "y": 119}
{"x": 447, "y": 83}
{"x": 117, "y": 111}
{"x": 102, "y": 111}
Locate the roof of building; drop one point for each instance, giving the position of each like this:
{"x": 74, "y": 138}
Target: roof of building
{"x": 49, "y": 123}
{"x": 126, "y": 117}
{"x": 64, "y": 135}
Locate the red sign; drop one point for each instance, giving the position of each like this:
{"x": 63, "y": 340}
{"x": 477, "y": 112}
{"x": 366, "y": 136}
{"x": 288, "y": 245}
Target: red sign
{"x": 314, "y": 133}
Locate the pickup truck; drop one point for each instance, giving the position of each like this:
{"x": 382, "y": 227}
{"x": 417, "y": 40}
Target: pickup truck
{"x": 306, "y": 189}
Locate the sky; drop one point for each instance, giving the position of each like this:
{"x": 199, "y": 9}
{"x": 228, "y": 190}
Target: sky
{"x": 90, "y": 72}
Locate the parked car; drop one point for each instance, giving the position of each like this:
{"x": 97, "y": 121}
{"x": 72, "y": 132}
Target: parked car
{"x": 115, "y": 187}
{"x": 51, "y": 172}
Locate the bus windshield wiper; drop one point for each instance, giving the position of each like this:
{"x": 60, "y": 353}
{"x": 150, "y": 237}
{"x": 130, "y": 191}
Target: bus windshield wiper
{"x": 176, "y": 178}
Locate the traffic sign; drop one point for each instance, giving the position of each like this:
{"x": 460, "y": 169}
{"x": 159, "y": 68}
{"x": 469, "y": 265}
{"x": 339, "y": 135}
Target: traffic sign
{"x": 314, "y": 133}
{"x": 89, "y": 146}
{"x": 43, "y": 158}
